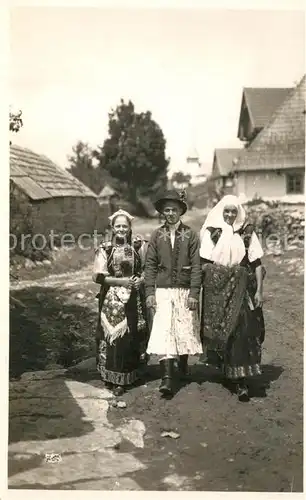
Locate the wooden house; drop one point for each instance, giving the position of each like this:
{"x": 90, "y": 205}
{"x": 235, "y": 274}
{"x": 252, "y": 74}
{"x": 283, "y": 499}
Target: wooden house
{"x": 273, "y": 165}
{"x": 45, "y": 197}
{"x": 257, "y": 107}
{"x": 222, "y": 169}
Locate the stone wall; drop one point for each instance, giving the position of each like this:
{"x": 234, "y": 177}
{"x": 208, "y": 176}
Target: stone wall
{"x": 282, "y": 225}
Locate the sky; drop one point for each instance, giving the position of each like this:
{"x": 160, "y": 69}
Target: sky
{"x": 70, "y": 65}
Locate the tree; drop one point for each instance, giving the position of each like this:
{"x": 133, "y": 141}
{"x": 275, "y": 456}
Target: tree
{"x": 16, "y": 121}
{"x": 134, "y": 152}
{"x": 181, "y": 178}
{"x": 81, "y": 166}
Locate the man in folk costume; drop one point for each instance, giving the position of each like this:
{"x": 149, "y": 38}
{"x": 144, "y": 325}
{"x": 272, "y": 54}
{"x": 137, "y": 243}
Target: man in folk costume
{"x": 172, "y": 287}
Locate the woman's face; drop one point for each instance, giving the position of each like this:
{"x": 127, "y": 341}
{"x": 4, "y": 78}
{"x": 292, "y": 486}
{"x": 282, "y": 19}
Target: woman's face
{"x": 230, "y": 213}
{"x": 172, "y": 212}
{"x": 121, "y": 226}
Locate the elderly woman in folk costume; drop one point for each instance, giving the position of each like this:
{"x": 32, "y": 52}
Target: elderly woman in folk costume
{"x": 232, "y": 323}
{"x": 122, "y": 328}
{"x": 172, "y": 285}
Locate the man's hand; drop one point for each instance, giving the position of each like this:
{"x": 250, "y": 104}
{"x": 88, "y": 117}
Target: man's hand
{"x": 192, "y": 304}
{"x": 151, "y": 302}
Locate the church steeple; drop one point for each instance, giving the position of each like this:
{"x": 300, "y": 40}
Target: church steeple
{"x": 193, "y": 156}
{"x": 193, "y": 165}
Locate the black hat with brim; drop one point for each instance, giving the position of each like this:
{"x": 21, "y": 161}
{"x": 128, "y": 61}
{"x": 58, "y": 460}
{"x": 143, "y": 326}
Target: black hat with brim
{"x": 170, "y": 196}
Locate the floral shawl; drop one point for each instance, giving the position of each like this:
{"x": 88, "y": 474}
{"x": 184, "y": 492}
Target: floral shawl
{"x": 123, "y": 261}
{"x": 224, "y": 295}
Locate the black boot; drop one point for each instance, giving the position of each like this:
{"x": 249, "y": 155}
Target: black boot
{"x": 118, "y": 390}
{"x": 167, "y": 371}
{"x": 144, "y": 359}
{"x": 183, "y": 366}
{"x": 243, "y": 392}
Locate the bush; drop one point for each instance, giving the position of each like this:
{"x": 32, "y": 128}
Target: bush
{"x": 276, "y": 219}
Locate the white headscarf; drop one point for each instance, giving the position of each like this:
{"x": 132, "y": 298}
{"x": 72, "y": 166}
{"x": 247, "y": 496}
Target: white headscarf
{"x": 230, "y": 248}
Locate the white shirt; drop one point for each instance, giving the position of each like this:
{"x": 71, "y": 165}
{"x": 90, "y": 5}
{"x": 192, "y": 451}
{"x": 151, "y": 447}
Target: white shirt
{"x": 172, "y": 232}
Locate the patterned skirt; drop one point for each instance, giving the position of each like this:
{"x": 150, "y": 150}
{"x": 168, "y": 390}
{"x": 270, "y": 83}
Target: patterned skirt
{"x": 176, "y": 329}
{"x": 120, "y": 343}
{"x": 232, "y": 331}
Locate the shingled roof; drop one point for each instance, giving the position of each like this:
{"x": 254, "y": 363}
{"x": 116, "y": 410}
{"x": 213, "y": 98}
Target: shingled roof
{"x": 281, "y": 144}
{"x": 41, "y": 179}
{"x": 223, "y": 161}
{"x": 262, "y": 103}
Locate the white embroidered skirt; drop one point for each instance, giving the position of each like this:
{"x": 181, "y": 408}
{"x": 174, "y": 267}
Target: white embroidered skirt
{"x": 176, "y": 329}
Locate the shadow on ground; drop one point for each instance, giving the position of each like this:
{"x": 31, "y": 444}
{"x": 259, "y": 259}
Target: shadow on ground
{"x": 200, "y": 373}
{"x": 17, "y": 464}
{"x": 35, "y": 417}
{"x": 49, "y": 332}
{"x": 45, "y": 410}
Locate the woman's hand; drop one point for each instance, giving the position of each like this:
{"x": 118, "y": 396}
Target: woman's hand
{"x": 135, "y": 282}
{"x": 258, "y": 299}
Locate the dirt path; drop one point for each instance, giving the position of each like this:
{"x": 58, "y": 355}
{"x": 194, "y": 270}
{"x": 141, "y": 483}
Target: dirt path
{"x": 61, "y": 438}
{"x": 63, "y": 280}
{"x": 225, "y": 445}
{"x": 222, "y": 445}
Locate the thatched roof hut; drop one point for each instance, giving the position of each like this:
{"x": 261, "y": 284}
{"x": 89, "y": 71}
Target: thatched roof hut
{"x": 45, "y": 197}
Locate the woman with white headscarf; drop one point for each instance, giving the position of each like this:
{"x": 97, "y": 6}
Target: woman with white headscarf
{"x": 232, "y": 323}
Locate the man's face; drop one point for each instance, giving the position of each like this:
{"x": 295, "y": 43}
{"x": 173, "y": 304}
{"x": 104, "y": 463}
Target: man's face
{"x": 172, "y": 212}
